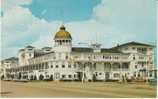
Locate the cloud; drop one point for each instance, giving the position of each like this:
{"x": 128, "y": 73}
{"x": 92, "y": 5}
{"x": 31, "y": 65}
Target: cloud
{"x": 43, "y": 41}
{"x": 20, "y": 27}
{"x": 118, "y": 22}
{"x": 113, "y": 21}
{"x": 10, "y": 4}
{"x": 65, "y": 10}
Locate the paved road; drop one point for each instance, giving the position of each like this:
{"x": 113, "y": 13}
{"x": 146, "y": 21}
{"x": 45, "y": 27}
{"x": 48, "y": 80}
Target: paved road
{"x": 75, "y": 89}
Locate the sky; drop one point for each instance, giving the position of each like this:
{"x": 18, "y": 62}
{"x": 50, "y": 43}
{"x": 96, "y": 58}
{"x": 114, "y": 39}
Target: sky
{"x": 109, "y": 22}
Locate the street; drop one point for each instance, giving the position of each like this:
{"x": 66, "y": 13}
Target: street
{"x": 76, "y": 89}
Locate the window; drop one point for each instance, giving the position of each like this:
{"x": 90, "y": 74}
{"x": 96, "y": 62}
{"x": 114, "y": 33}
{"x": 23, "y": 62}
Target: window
{"x": 126, "y": 48}
{"x": 133, "y": 48}
{"x": 135, "y": 66}
{"x": 125, "y": 66}
{"x": 134, "y": 58}
{"x": 116, "y": 57}
{"x": 89, "y": 57}
{"x": 46, "y": 66}
{"x": 116, "y": 66}
{"x": 56, "y": 66}
{"x": 142, "y": 50}
{"x": 100, "y": 73}
{"x": 74, "y": 65}
{"x": 109, "y": 57}
{"x": 150, "y": 75}
{"x": 36, "y": 67}
{"x": 95, "y": 66}
{"x": 96, "y": 73}
{"x": 59, "y": 55}
{"x": 42, "y": 66}
{"x": 116, "y": 75}
{"x": 69, "y": 66}
{"x": 134, "y": 74}
{"x": 69, "y": 76}
{"x": 63, "y": 66}
{"x": 51, "y": 66}
{"x": 29, "y": 49}
{"x": 138, "y": 75}
{"x": 66, "y": 57}
{"x": 142, "y": 64}
{"x": 63, "y": 76}
{"x": 150, "y": 49}
{"x": 60, "y": 42}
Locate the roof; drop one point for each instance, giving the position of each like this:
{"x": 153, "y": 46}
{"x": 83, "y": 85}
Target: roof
{"x": 41, "y": 53}
{"x": 29, "y": 46}
{"x": 38, "y": 53}
{"x": 11, "y": 59}
{"x": 88, "y": 50}
{"x": 62, "y": 34}
{"x": 21, "y": 50}
{"x": 111, "y": 50}
{"x": 81, "y": 49}
{"x": 135, "y": 44}
{"x": 47, "y": 48}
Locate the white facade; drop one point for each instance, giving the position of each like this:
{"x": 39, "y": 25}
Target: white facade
{"x": 63, "y": 62}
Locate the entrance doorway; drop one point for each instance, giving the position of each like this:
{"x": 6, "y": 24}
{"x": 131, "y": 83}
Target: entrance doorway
{"x": 107, "y": 76}
{"x": 79, "y": 74}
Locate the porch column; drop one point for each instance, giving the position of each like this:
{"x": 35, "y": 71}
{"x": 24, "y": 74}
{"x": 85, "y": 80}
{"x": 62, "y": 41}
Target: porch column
{"x": 83, "y": 71}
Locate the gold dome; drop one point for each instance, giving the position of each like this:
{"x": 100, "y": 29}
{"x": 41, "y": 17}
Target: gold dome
{"x": 62, "y": 34}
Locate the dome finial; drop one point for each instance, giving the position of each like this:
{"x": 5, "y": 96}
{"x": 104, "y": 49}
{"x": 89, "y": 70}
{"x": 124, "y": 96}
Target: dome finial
{"x": 62, "y": 27}
{"x": 62, "y": 33}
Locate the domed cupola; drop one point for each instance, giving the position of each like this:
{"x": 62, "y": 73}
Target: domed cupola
{"x": 62, "y": 34}
{"x": 62, "y": 40}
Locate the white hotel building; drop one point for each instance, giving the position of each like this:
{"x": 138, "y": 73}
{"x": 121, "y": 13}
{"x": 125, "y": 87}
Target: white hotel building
{"x": 131, "y": 60}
